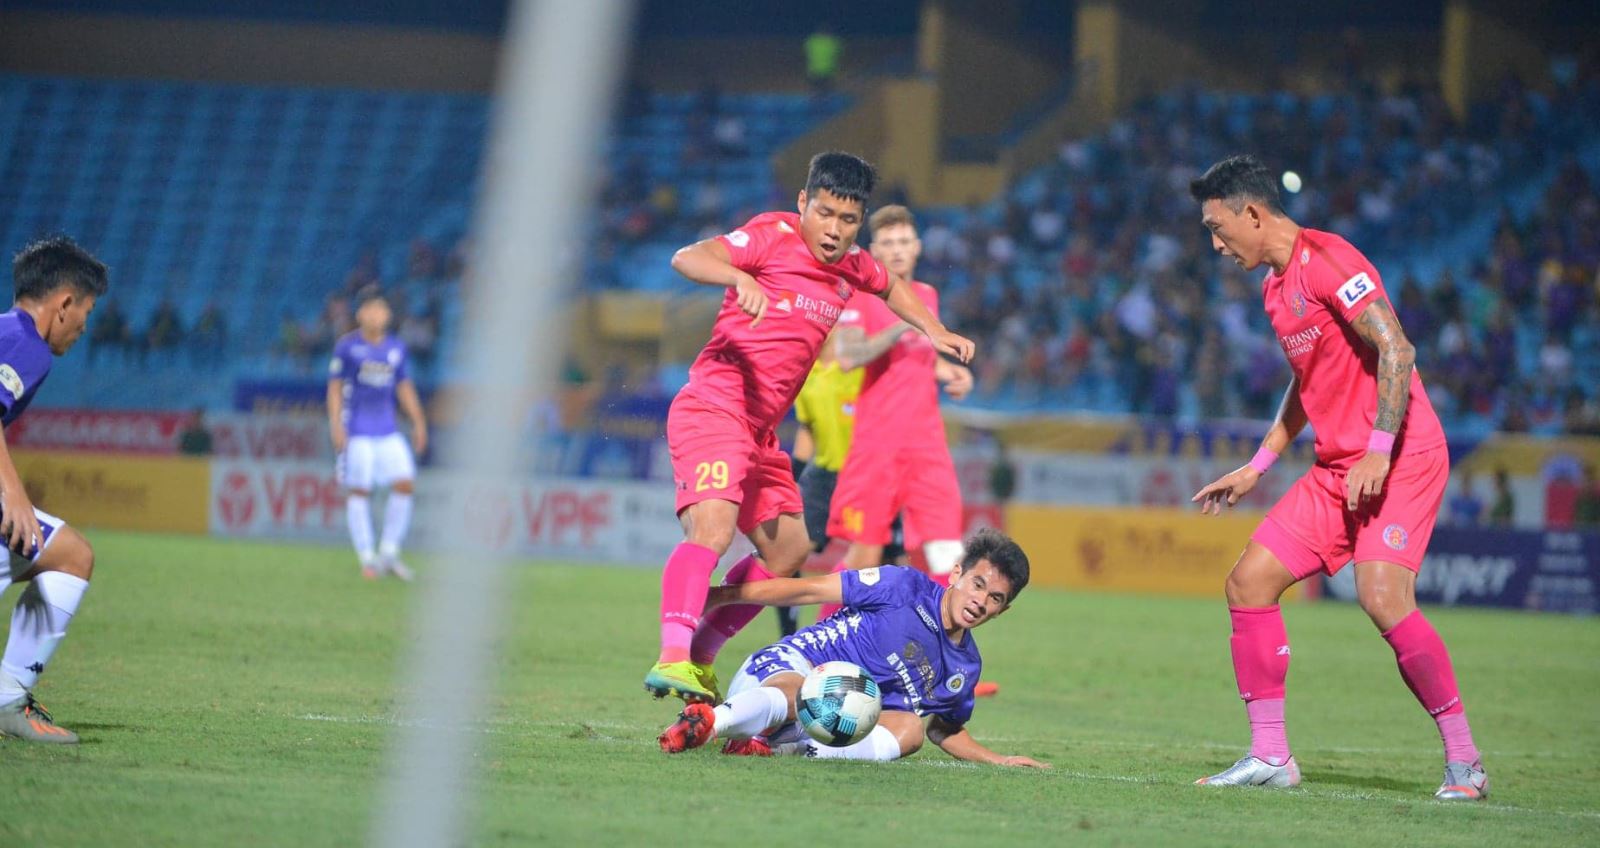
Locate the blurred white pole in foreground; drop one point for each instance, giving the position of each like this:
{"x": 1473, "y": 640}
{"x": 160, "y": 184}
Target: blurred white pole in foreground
{"x": 558, "y": 69}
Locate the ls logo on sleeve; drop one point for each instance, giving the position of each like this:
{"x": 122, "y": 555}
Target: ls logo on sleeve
{"x": 1356, "y": 288}
{"x": 12, "y": 381}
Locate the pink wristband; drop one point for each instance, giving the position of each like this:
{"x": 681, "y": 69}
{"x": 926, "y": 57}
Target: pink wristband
{"x": 1380, "y": 442}
{"x": 1263, "y": 460}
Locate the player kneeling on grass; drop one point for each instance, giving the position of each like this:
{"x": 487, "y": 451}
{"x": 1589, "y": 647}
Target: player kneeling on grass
{"x": 907, "y": 631}
{"x": 57, "y": 283}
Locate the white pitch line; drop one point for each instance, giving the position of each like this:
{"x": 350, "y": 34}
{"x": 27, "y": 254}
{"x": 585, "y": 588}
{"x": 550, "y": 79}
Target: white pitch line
{"x": 1151, "y": 780}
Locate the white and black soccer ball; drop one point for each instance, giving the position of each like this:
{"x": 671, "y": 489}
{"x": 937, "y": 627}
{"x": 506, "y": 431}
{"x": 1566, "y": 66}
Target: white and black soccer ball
{"x": 839, "y": 704}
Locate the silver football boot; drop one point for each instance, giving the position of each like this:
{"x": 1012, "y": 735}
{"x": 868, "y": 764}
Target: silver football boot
{"x": 1464, "y": 782}
{"x": 1254, "y": 771}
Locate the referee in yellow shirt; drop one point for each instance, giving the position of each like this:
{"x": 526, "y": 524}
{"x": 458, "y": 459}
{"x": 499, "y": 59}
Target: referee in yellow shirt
{"x": 826, "y": 410}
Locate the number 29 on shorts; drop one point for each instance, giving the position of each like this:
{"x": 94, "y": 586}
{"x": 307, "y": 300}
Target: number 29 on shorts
{"x": 711, "y": 475}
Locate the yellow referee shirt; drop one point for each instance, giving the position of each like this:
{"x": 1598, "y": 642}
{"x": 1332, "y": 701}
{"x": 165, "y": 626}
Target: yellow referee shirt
{"x": 827, "y": 406}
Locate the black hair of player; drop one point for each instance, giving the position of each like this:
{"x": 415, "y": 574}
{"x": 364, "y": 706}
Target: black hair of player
{"x": 1003, "y": 553}
{"x": 368, "y": 293}
{"x": 1238, "y": 179}
{"x": 50, "y": 263}
{"x": 844, "y": 175}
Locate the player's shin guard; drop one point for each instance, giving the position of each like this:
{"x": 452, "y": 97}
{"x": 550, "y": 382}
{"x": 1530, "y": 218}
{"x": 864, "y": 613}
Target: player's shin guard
{"x": 358, "y": 512}
{"x": 684, "y": 584}
{"x": 396, "y": 521}
{"x": 1425, "y": 666}
{"x": 752, "y": 712}
{"x": 39, "y": 623}
{"x": 880, "y": 745}
{"x": 1260, "y": 647}
{"x": 722, "y": 623}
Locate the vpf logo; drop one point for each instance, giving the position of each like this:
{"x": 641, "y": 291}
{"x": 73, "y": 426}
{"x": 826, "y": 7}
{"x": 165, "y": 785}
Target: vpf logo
{"x": 236, "y": 502}
{"x": 1395, "y": 537}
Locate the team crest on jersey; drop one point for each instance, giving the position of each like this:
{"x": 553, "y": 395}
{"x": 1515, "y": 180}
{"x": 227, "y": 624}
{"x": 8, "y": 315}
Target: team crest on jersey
{"x": 844, "y": 289}
{"x": 1395, "y": 537}
{"x": 955, "y": 682}
{"x": 1297, "y": 302}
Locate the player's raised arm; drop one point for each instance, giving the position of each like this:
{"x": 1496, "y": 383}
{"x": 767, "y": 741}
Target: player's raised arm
{"x": 709, "y": 263}
{"x": 1231, "y": 487}
{"x": 958, "y": 743}
{"x": 784, "y": 592}
{"x": 905, "y": 303}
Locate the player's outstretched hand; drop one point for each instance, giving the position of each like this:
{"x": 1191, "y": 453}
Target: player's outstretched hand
{"x": 953, "y": 344}
{"x": 751, "y": 298}
{"x": 1226, "y": 490}
{"x": 1022, "y": 762}
{"x": 1365, "y": 479}
{"x": 18, "y": 523}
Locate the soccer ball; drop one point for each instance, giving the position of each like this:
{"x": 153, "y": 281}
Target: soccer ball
{"x": 839, "y": 704}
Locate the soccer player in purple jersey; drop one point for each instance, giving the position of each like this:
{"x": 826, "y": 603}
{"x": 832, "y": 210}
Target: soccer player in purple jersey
{"x": 56, "y": 283}
{"x": 907, "y": 631}
{"x": 366, "y": 378}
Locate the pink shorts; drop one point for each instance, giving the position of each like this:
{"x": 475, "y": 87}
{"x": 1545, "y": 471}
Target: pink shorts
{"x": 716, "y": 456}
{"x": 1309, "y": 529}
{"x": 877, "y": 483}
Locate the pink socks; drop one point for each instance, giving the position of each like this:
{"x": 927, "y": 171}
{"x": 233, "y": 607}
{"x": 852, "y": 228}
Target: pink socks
{"x": 722, "y": 623}
{"x": 1260, "y": 647}
{"x": 684, "y": 584}
{"x": 1425, "y": 667}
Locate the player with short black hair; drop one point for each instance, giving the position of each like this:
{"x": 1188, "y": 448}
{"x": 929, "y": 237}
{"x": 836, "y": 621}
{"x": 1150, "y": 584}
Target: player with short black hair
{"x": 788, "y": 276}
{"x": 55, "y": 285}
{"x": 1374, "y": 493}
{"x": 369, "y": 376}
{"x": 908, "y": 632}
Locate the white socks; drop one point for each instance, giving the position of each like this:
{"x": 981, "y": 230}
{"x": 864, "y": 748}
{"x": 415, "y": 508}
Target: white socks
{"x": 752, "y": 712}
{"x": 38, "y": 625}
{"x": 358, "y": 508}
{"x": 880, "y": 745}
{"x": 396, "y": 520}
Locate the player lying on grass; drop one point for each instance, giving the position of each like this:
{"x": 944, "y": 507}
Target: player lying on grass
{"x": 910, "y": 633}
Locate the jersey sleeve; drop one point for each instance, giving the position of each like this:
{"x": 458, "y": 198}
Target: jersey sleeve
{"x": 21, "y": 371}
{"x": 750, "y": 245}
{"x": 340, "y": 368}
{"x": 884, "y": 587}
{"x": 402, "y": 369}
{"x": 1343, "y": 280}
{"x": 870, "y": 275}
{"x": 959, "y": 713}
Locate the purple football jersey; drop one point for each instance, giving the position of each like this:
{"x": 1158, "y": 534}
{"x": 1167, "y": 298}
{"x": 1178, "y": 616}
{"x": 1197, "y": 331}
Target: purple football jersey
{"x": 24, "y": 363}
{"x": 891, "y": 627}
{"x": 370, "y": 372}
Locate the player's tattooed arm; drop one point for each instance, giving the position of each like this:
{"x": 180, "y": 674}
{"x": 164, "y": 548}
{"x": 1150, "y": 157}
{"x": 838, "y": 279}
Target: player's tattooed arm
{"x": 855, "y": 348}
{"x": 903, "y": 301}
{"x": 1379, "y": 327}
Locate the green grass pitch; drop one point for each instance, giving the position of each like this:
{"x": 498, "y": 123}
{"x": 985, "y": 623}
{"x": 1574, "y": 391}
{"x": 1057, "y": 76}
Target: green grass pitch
{"x": 241, "y": 694}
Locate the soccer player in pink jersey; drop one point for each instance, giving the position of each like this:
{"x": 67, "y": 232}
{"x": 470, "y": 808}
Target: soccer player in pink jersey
{"x": 899, "y": 463}
{"x": 1373, "y": 493}
{"x": 789, "y": 275}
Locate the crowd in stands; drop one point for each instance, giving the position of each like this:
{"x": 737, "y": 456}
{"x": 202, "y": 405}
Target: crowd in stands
{"x": 1091, "y": 285}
